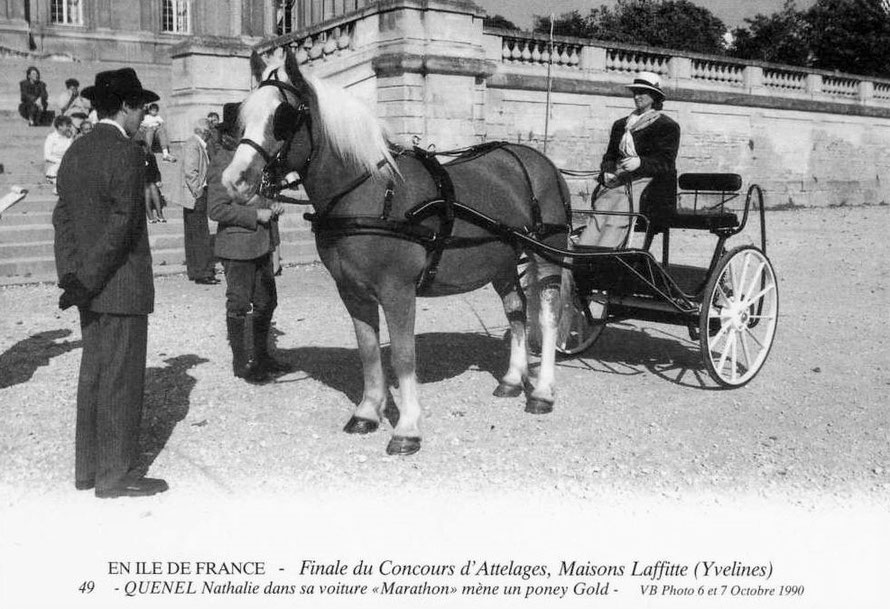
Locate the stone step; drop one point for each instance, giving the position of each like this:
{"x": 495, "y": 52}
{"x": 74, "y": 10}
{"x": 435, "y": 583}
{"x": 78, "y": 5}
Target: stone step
{"x": 39, "y": 269}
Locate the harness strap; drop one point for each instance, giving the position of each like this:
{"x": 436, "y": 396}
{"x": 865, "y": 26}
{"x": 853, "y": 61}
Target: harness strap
{"x": 445, "y": 193}
{"x": 537, "y": 217}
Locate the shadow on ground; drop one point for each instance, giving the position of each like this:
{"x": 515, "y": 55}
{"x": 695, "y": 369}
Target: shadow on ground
{"x": 167, "y": 398}
{"x": 629, "y": 351}
{"x": 19, "y": 363}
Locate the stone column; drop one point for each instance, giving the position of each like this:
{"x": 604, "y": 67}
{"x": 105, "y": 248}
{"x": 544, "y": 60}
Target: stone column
{"x": 205, "y": 74}
{"x": 429, "y": 62}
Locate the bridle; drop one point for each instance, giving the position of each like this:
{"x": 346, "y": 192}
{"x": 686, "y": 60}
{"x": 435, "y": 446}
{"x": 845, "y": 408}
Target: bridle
{"x": 286, "y": 122}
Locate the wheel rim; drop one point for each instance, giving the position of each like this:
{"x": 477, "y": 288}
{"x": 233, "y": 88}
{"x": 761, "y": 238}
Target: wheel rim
{"x": 739, "y": 316}
{"x": 580, "y": 323}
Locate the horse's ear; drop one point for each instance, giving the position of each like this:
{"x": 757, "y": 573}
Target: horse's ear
{"x": 257, "y": 65}
{"x": 292, "y": 68}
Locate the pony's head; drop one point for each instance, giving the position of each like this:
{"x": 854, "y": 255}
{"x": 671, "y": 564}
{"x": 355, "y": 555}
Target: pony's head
{"x": 291, "y": 121}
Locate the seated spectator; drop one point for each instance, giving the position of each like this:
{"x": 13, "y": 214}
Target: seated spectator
{"x": 33, "y": 97}
{"x": 153, "y": 127}
{"x": 73, "y": 104}
{"x": 55, "y": 146}
{"x": 85, "y": 128}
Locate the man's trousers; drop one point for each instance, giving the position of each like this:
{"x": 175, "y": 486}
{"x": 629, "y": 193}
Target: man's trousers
{"x": 110, "y": 394}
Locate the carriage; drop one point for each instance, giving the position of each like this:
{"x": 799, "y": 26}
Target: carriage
{"x": 729, "y": 304}
{"x": 392, "y": 224}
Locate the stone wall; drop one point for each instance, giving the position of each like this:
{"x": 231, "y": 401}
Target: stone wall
{"x": 810, "y": 138}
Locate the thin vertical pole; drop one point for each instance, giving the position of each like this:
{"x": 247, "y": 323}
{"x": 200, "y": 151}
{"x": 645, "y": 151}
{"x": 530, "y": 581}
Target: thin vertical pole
{"x": 549, "y": 86}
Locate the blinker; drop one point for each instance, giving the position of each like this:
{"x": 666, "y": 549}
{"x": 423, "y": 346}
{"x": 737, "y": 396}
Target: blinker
{"x": 286, "y": 121}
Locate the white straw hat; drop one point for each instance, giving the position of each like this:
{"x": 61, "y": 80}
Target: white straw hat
{"x": 647, "y": 81}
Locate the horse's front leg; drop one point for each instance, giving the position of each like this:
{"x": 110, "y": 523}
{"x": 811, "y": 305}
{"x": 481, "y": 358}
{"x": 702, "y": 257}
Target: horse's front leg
{"x": 548, "y": 280}
{"x": 366, "y": 319}
{"x": 511, "y": 384}
{"x": 399, "y": 306}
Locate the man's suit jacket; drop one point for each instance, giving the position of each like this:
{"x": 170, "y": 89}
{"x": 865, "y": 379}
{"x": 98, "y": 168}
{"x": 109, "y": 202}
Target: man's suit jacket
{"x": 238, "y": 235}
{"x": 194, "y": 170}
{"x": 657, "y": 146}
{"x": 100, "y": 224}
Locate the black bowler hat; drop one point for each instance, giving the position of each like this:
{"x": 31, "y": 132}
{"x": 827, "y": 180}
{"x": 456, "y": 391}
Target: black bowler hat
{"x": 119, "y": 83}
{"x": 229, "y": 118}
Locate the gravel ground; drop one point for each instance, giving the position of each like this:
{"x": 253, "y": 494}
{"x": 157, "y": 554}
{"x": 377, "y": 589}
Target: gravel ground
{"x": 637, "y": 412}
{"x": 642, "y": 457}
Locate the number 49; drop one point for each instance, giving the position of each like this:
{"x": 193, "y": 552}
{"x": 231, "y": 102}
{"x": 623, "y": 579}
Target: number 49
{"x": 87, "y": 587}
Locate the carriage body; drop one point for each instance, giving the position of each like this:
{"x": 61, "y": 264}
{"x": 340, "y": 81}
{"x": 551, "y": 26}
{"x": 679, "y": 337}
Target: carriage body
{"x": 729, "y": 304}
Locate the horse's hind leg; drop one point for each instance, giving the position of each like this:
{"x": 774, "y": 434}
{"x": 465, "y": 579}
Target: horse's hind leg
{"x": 547, "y": 278}
{"x": 399, "y": 307}
{"x": 511, "y": 384}
{"x": 366, "y": 320}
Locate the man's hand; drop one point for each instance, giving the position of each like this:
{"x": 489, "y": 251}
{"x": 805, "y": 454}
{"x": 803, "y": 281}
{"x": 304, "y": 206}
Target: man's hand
{"x": 631, "y": 163}
{"x": 263, "y": 216}
{"x": 75, "y": 293}
{"x": 277, "y": 209}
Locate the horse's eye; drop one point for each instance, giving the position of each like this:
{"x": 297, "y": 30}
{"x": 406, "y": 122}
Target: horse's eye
{"x": 285, "y": 122}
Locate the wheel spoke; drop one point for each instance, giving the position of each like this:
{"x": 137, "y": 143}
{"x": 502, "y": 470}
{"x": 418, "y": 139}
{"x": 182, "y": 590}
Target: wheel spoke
{"x": 723, "y": 328}
{"x": 750, "y": 302}
{"x": 741, "y": 283}
{"x": 757, "y": 275}
{"x": 726, "y": 349}
{"x": 754, "y": 337}
{"x": 745, "y": 351}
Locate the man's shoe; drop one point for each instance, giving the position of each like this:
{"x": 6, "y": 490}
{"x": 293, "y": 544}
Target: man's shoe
{"x": 140, "y": 487}
{"x": 207, "y": 281}
{"x": 253, "y": 373}
{"x": 274, "y": 367}
{"x": 84, "y": 485}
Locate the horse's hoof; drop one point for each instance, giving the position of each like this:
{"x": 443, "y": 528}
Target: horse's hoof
{"x": 361, "y": 426}
{"x": 403, "y": 445}
{"x": 538, "y": 406}
{"x": 506, "y": 390}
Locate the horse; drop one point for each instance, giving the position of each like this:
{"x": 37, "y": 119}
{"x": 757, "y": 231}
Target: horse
{"x": 388, "y": 228}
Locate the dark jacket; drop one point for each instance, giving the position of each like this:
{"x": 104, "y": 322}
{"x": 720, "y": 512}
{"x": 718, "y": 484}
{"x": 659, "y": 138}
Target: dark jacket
{"x": 657, "y": 146}
{"x": 32, "y": 91}
{"x": 238, "y": 235}
{"x": 101, "y": 230}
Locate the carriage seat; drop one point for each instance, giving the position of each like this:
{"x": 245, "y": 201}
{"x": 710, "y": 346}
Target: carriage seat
{"x": 710, "y": 192}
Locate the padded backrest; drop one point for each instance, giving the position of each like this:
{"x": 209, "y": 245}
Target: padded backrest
{"x": 714, "y": 182}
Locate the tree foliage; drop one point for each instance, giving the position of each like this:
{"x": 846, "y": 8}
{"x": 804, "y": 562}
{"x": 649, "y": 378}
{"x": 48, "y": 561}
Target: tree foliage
{"x": 674, "y": 24}
{"x": 499, "y": 21}
{"x": 845, "y": 35}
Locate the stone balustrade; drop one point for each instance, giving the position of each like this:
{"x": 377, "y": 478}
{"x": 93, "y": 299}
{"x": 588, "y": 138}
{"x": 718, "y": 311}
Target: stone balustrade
{"x": 536, "y": 51}
{"x": 321, "y": 42}
{"x": 689, "y": 70}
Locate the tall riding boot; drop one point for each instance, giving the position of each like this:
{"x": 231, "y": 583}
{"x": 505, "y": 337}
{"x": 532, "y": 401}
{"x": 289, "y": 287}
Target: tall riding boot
{"x": 267, "y": 363}
{"x": 242, "y": 366}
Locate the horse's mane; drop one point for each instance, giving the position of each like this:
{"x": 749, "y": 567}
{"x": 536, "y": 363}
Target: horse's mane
{"x": 351, "y": 128}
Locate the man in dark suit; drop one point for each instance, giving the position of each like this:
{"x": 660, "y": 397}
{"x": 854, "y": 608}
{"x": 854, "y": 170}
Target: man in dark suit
{"x": 245, "y": 238}
{"x": 104, "y": 266}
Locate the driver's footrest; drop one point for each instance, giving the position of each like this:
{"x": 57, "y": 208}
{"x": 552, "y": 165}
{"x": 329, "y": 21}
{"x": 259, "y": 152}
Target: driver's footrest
{"x": 702, "y": 221}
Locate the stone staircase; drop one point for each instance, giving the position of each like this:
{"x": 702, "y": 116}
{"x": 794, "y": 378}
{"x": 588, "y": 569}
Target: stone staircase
{"x": 26, "y": 232}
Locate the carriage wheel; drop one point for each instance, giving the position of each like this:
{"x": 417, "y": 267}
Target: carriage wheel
{"x": 739, "y": 313}
{"x": 580, "y": 323}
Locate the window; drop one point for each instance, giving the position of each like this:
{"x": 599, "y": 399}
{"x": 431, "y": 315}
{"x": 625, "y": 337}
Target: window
{"x": 176, "y": 16}
{"x": 285, "y": 17}
{"x": 66, "y": 12}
